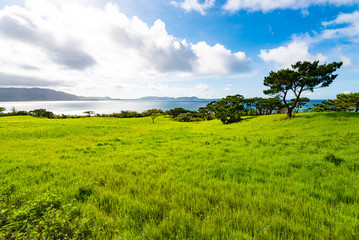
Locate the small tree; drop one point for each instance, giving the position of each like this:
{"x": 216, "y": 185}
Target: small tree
{"x": 305, "y": 76}
{"x": 89, "y": 113}
{"x": 2, "y": 109}
{"x": 154, "y": 113}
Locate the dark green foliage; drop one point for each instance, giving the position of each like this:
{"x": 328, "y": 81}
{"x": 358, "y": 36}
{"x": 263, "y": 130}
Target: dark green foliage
{"x": 228, "y": 109}
{"x": 177, "y": 111}
{"x": 300, "y": 103}
{"x": 185, "y": 117}
{"x": 89, "y": 113}
{"x": 205, "y": 113}
{"x": 349, "y": 102}
{"x": 22, "y": 113}
{"x": 333, "y": 159}
{"x": 266, "y": 106}
{"x": 83, "y": 193}
{"x": 343, "y": 103}
{"x": 2, "y": 109}
{"x": 42, "y": 113}
{"x": 125, "y": 114}
{"x": 42, "y": 218}
{"x": 154, "y": 113}
{"x": 305, "y": 76}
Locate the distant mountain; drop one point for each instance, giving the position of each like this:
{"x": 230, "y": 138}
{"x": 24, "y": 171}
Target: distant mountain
{"x": 39, "y": 94}
{"x": 43, "y": 94}
{"x": 151, "y": 98}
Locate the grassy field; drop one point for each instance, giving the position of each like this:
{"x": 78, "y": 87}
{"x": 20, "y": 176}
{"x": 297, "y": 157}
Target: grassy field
{"x": 107, "y": 178}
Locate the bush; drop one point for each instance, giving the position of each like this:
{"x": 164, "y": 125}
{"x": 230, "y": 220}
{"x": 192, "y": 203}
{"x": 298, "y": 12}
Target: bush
{"x": 43, "y": 218}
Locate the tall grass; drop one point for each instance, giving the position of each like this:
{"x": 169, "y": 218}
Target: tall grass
{"x": 107, "y": 178}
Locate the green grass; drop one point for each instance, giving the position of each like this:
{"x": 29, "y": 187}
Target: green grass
{"x": 107, "y": 178}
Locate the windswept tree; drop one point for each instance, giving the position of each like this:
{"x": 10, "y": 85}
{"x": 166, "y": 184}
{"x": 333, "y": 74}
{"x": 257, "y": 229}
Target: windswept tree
{"x": 89, "y": 113}
{"x": 304, "y": 76}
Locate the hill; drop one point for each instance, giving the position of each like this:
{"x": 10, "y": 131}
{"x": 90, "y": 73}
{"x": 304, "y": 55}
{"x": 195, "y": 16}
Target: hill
{"x": 40, "y": 94}
{"x": 34, "y": 94}
{"x": 108, "y": 178}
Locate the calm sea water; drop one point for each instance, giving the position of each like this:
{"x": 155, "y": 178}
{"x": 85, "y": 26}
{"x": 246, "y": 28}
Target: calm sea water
{"x": 101, "y": 107}
{"x": 106, "y": 107}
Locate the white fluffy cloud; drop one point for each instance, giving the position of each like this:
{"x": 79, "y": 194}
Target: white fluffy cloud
{"x": 81, "y": 45}
{"x": 284, "y": 56}
{"x": 194, "y": 5}
{"x": 269, "y": 5}
{"x": 298, "y": 48}
{"x": 218, "y": 60}
{"x": 350, "y": 30}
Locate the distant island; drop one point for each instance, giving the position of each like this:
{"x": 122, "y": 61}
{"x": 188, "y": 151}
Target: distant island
{"x": 152, "y": 98}
{"x": 39, "y": 94}
{"x": 43, "y": 94}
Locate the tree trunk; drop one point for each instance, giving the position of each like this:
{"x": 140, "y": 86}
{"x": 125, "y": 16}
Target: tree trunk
{"x": 289, "y": 113}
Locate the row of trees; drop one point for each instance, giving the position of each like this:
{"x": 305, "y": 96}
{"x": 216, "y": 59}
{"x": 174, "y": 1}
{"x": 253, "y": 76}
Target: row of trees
{"x": 343, "y": 103}
{"x": 35, "y": 113}
{"x": 231, "y": 108}
{"x": 304, "y": 76}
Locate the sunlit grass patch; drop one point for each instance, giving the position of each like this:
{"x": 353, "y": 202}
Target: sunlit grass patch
{"x": 129, "y": 178}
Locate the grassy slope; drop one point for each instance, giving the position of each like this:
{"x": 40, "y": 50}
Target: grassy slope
{"x": 129, "y": 178}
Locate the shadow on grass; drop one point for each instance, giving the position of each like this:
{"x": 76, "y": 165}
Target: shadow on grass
{"x": 335, "y": 115}
{"x": 246, "y": 118}
{"x": 342, "y": 114}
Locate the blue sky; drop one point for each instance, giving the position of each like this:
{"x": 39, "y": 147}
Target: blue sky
{"x": 209, "y": 49}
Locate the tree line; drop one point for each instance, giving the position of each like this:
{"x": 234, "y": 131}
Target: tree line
{"x": 343, "y": 103}
{"x": 302, "y": 77}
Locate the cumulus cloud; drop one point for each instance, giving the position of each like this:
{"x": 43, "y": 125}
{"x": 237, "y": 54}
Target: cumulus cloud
{"x": 284, "y": 56}
{"x": 269, "y": 5}
{"x": 350, "y": 30}
{"x": 345, "y": 26}
{"x": 88, "y": 45}
{"x": 297, "y": 50}
{"x": 194, "y": 5}
{"x": 19, "y": 24}
{"x": 218, "y": 60}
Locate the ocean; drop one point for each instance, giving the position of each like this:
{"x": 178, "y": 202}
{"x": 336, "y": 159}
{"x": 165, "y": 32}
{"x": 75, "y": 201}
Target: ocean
{"x": 108, "y": 106}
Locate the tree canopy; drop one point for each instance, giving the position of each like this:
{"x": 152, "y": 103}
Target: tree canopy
{"x": 343, "y": 103}
{"x": 228, "y": 109}
{"x": 304, "y": 76}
